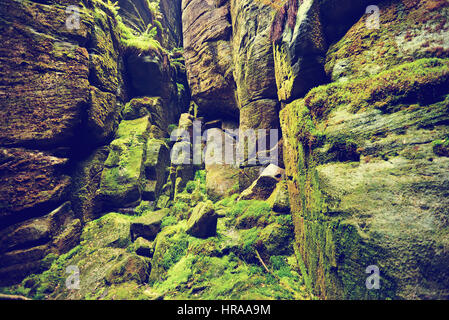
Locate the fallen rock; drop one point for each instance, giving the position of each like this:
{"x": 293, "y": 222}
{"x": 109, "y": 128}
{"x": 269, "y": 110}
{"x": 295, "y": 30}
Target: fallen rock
{"x": 143, "y": 247}
{"x": 110, "y": 231}
{"x": 263, "y": 187}
{"x": 279, "y": 199}
{"x": 148, "y": 225}
{"x": 203, "y": 221}
{"x": 131, "y": 268}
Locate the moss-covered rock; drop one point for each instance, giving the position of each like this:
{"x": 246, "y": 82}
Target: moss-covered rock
{"x": 279, "y": 200}
{"x": 349, "y": 150}
{"x": 148, "y": 225}
{"x": 409, "y": 30}
{"x": 143, "y": 247}
{"x": 121, "y": 180}
{"x": 203, "y": 221}
{"x": 170, "y": 245}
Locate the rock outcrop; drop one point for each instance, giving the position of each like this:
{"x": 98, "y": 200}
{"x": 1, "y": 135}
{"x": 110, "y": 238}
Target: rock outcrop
{"x": 302, "y": 32}
{"x": 366, "y": 187}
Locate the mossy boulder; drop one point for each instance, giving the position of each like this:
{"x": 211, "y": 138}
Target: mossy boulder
{"x": 148, "y": 225}
{"x": 131, "y": 268}
{"x": 279, "y": 200}
{"x": 111, "y": 230}
{"x": 121, "y": 180}
{"x": 143, "y": 247}
{"x": 170, "y": 246}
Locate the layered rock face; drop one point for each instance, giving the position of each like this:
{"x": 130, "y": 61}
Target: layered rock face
{"x": 208, "y": 54}
{"x": 66, "y": 78}
{"x": 367, "y": 185}
{"x": 302, "y": 33}
{"x": 229, "y": 61}
{"x": 51, "y": 96}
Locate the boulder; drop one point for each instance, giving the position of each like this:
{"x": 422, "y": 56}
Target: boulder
{"x": 247, "y": 175}
{"x": 262, "y": 188}
{"x": 279, "y": 200}
{"x": 148, "y": 225}
{"x": 130, "y": 268}
{"x": 143, "y": 247}
{"x": 121, "y": 180}
{"x": 203, "y": 221}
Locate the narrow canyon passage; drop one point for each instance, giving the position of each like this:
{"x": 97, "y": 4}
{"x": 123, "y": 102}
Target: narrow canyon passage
{"x": 224, "y": 149}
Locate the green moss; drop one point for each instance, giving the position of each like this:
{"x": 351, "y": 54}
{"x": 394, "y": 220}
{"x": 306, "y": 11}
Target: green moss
{"x": 143, "y": 207}
{"x": 190, "y": 186}
{"x": 168, "y": 221}
{"x": 332, "y": 248}
{"x": 258, "y": 213}
{"x": 419, "y": 81}
{"x": 285, "y": 77}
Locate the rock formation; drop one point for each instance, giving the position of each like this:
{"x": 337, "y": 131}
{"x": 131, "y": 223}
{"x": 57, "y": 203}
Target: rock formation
{"x": 242, "y": 149}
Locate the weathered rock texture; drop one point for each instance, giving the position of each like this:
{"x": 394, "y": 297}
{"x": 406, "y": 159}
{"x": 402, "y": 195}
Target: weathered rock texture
{"x": 366, "y": 187}
{"x": 62, "y": 91}
{"x": 208, "y": 54}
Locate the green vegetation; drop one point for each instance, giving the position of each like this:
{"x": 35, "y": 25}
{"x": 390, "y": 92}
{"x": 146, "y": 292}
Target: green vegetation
{"x": 143, "y": 42}
{"x": 133, "y": 38}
